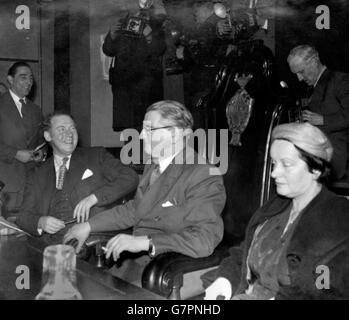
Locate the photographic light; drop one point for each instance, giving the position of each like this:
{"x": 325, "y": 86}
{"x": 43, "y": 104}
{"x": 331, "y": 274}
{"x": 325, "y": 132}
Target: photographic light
{"x": 283, "y": 84}
{"x": 223, "y": 13}
{"x": 220, "y": 10}
{"x": 145, "y": 4}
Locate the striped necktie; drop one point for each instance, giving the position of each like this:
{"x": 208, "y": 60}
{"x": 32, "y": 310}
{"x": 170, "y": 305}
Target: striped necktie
{"x": 61, "y": 173}
{"x": 23, "y": 109}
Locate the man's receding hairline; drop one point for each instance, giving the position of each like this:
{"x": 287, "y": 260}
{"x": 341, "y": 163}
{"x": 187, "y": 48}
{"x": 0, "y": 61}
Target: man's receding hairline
{"x": 17, "y": 70}
{"x": 303, "y": 52}
{"x": 60, "y": 115}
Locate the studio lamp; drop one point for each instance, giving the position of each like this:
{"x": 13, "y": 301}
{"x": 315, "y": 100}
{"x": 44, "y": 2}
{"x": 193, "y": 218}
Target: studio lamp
{"x": 145, "y": 4}
{"x": 222, "y": 12}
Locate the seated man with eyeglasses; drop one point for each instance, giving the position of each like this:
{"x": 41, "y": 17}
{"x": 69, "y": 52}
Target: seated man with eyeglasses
{"x": 178, "y": 202}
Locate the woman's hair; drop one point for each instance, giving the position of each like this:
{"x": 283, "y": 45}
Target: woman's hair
{"x": 307, "y": 138}
{"x": 314, "y": 163}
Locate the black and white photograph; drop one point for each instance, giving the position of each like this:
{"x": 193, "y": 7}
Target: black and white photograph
{"x": 168, "y": 154}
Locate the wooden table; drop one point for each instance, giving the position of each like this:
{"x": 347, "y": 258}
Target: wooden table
{"x": 93, "y": 283}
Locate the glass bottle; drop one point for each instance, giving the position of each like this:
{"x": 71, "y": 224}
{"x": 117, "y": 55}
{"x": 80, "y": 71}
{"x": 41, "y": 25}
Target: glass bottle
{"x": 59, "y": 274}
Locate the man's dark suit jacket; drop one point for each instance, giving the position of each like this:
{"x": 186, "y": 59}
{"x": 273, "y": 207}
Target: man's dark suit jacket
{"x": 331, "y": 99}
{"x": 180, "y": 210}
{"x": 12, "y": 139}
{"x": 110, "y": 181}
{"x": 136, "y": 78}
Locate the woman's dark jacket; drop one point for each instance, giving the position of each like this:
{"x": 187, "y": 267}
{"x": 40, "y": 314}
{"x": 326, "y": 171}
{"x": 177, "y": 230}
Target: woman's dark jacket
{"x": 320, "y": 240}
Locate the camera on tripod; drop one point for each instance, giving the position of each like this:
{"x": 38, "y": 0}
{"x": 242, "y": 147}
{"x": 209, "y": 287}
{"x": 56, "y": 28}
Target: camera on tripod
{"x": 134, "y": 25}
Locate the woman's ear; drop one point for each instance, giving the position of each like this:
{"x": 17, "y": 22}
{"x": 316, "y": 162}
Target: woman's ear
{"x": 316, "y": 174}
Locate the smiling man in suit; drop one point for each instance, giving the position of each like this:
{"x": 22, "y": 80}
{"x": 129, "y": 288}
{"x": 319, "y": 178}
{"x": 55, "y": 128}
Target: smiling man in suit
{"x": 20, "y": 122}
{"x": 178, "y": 201}
{"x": 73, "y": 183}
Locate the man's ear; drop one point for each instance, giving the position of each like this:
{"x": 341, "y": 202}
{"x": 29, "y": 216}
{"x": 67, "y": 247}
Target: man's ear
{"x": 47, "y": 136}
{"x": 10, "y": 80}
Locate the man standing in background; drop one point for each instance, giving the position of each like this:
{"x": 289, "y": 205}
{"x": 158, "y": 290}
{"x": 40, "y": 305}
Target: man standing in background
{"x": 137, "y": 44}
{"x": 20, "y": 122}
{"x": 329, "y": 102}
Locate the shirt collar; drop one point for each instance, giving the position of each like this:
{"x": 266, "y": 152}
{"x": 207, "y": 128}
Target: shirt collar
{"x": 16, "y": 98}
{"x": 58, "y": 160}
{"x": 320, "y": 74}
{"x": 164, "y": 163}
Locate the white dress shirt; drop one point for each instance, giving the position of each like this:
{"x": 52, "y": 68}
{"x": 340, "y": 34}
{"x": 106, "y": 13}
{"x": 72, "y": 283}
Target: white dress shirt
{"x": 17, "y": 102}
{"x": 320, "y": 74}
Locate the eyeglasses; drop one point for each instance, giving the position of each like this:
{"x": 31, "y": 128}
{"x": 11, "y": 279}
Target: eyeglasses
{"x": 153, "y": 129}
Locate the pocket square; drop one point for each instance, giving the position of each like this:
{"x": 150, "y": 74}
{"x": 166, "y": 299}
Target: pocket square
{"x": 167, "y": 204}
{"x": 87, "y": 173}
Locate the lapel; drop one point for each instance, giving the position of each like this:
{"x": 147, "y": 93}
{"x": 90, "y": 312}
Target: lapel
{"x": 150, "y": 197}
{"x": 275, "y": 207}
{"x": 48, "y": 176}
{"x": 30, "y": 107}
{"x": 144, "y": 181}
{"x": 12, "y": 111}
{"x": 279, "y": 204}
{"x": 78, "y": 165}
{"x": 160, "y": 188}
{"x": 320, "y": 91}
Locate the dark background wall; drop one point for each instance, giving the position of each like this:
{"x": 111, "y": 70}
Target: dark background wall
{"x": 61, "y": 54}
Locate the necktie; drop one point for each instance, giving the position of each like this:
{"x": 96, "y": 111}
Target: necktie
{"x": 23, "y": 109}
{"x": 61, "y": 173}
{"x": 154, "y": 175}
{"x": 310, "y": 91}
